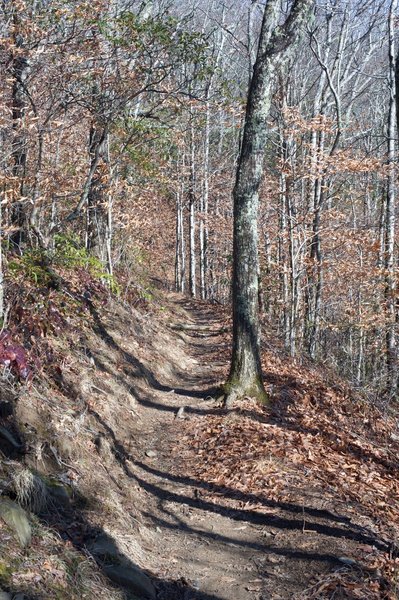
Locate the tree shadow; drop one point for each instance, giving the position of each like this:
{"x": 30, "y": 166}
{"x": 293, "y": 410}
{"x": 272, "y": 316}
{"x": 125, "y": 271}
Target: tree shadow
{"x": 285, "y": 414}
{"x": 135, "y": 369}
{"x": 219, "y": 538}
{"x": 69, "y": 522}
{"x": 350, "y": 531}
{"x": 121, "y": 571}
{"x": 232, "y": 494}
{"x": 282, "y": 412}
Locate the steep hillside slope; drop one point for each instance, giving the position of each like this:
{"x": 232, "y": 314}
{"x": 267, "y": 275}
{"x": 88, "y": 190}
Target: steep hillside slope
{"x": 123, "y": 477}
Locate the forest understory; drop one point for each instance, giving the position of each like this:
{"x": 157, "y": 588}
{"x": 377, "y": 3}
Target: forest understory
{"x": 136, "y": 483}
{"x": 198, "y": 210}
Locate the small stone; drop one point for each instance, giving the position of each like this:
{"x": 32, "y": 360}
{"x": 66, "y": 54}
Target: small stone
{"x": 274, "y": 558}
{"x": 5, "y": 595}
{"x": 132, "y": 578}
{"x": 347, "y": 561}
{"x": 181, "y": 413}
{"x": 267, "y": 534}
{"x": 151, "y": 453}
{"x": 16, "y": 518}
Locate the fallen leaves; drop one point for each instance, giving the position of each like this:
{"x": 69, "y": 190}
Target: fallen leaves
{"x": 315, "y": 437}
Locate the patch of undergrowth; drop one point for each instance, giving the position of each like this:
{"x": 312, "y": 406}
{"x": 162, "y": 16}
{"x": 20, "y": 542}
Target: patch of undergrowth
{"x": 50, "y": 568}
{"x": 6, "y": 569}
{"x": 14, "y": 356}
{"x": 71, "y": 255}
{"x": 46, "y": 267}
{"x": 48, "y": 295}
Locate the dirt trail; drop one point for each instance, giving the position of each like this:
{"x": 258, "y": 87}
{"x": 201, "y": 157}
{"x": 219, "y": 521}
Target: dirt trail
{"x": 217, "y": 552}
{"x": 216, "y": 556}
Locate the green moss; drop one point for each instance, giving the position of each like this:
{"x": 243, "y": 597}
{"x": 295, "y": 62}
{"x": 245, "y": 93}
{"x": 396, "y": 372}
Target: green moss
{"x": 6, "y": 571}
{"x": 234, "y": 389}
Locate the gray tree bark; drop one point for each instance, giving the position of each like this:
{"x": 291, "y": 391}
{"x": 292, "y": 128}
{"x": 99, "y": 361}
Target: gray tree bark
{"x": 276, "y": 47}
{"x": 390, "y": 281}
{"x": 20, "y": 69}
{"x": 192, "y": 213}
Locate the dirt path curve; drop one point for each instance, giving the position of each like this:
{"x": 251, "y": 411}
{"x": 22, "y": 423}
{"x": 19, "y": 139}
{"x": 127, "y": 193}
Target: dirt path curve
{"x": 217, "y": 553}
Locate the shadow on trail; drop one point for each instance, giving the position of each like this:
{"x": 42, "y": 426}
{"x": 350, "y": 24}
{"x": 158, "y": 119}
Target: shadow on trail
{"x": 67, "y": 519}
{"x": 351, "y": 532}
{"x": 247, "y": 497}
{"x": 263, "y": 520}
{"x": 285, "y": 384}
{"x": 136, "y": 369}
{"x": 285, "y": 414}
{"x": 72, "y": 526}
{"x": 290, "y": 517}
{"x": 288, "y": 553}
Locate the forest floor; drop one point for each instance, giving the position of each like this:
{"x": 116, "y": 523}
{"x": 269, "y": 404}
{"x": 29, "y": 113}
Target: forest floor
{"x": 240, "y": 542}
{"x": 298, "y": 499}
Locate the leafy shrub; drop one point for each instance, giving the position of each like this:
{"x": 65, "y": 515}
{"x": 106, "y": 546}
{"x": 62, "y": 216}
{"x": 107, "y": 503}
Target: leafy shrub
{"x": 36, "y": 264}
{"x": 70, "y": 254}
{"x": 32, "y": 265}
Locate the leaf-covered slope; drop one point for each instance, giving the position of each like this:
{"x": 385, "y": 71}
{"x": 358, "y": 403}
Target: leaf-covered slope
{"x": 319, "y": 454}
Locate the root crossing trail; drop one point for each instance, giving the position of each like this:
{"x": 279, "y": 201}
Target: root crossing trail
{"x": 215, "y": 552}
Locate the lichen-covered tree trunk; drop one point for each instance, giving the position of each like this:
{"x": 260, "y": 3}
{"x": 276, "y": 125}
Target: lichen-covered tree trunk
{"x": 192, "y": 212}
{"x": 276, "y": 47}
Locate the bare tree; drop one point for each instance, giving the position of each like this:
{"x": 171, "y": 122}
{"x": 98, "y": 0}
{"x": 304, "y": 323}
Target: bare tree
{"x": 390, "y": 284}
{"x": 276, "y": 47}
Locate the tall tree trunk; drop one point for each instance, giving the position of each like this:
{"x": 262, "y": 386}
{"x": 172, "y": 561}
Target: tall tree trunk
{"x": 180, "y": 256}
{"x": 20, "y": 69}
{"x": 109, "y": 225}
{"x": 96, "y": 199}
{"x": 282, "y": 255}
{"x": 276, "y": 46}
{"x": 390, "y": 283}
{"x": 191, "y": 204}
{"x": 178, "y": 244}
{"x": 203, "y": 233}
{"x": 1, "y": 269}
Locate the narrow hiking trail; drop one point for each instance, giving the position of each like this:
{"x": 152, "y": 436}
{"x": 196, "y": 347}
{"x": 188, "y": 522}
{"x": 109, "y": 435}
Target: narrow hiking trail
{"x": 218, "y": 549}
{"x": 215, "y": 555}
